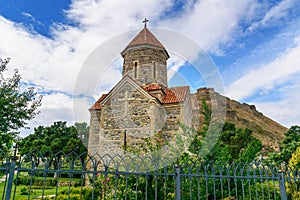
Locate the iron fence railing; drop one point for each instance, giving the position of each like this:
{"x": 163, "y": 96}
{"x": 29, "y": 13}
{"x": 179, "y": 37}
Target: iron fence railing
{"x": 61, "y": 176}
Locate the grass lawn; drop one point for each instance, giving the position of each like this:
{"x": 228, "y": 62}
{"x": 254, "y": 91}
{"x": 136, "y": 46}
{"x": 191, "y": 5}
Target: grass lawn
{"x": 34, "y": 192}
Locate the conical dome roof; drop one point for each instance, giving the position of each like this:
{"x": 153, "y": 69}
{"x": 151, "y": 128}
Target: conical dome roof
{"x": 144, "y": 37}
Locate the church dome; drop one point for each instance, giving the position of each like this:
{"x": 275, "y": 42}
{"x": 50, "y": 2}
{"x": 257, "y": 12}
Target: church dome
{"x": 145, "y": 59}
{"x": 144, "y": 38}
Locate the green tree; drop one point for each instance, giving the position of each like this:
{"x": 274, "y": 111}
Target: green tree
{"x": 83, "y": 132}
{"x": 197, "y": 141}
{"x": 18, "y": 105}
{"x": 51, "y": 140}
{"x": 288, "y": 146}
{"x": 294, "y": 161}
{"x": 293, "y": 184}
{"x": 235, "y": 145}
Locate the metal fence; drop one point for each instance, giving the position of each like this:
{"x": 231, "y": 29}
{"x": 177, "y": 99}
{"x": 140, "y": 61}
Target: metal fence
{"x": 61, "y": 176}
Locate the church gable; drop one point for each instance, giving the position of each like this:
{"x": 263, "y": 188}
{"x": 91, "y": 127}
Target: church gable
{"x": 129, "y": 85}
{"x": 128, "y": 108}
{"x": 127, "y": 105}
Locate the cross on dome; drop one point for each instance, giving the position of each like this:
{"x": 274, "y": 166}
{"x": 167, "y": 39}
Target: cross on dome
{"x": 145, "y": 22}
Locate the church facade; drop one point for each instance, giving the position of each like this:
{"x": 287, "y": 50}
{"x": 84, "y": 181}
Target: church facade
{"x": 141, "y": 103}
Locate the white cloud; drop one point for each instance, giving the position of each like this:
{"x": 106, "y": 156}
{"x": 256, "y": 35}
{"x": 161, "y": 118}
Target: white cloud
{"x": 282, "y": 102}
{"x": 267, "y": 76}
{"x": 285, "y": 111}
{"x": 277, "y": 12}
{"x": 274, "y": 14}
{"x": 26, "y": 14}
{"x": 38, "y": 58}
{"x": 55, "y": 107}
{"x": 116, "y": 16}
{"x": 212, "y": 23}
{"x": 54, "y": 64}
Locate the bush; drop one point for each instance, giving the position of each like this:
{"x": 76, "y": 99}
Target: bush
{"x": 48, "y": 182}
{"x": 22, "y": 181}
{"x": 39, "y": 181}
{"x": 24, "y": 191}
{"x": 61, "y": 175}
{"x": 86, "y": 193}
{"x": 2, "y": 171}
{"x": 41, "y": 187}
{"x": 66, "y": 197}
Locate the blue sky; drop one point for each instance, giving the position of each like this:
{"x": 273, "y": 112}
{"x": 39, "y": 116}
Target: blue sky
{"x": 37, "y": 15}
{"x": 255, "y": 45}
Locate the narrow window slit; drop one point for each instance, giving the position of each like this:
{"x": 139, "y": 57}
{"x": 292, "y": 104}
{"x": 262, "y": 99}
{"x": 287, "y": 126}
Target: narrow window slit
{"x": 135, "y": 70}
{"x": 154, "y": 70}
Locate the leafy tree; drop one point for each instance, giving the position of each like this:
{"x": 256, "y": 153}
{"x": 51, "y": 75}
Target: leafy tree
{"x": 294, "y": 161}
{"x": 235, "y": 145}
{"x": 293, "y": 183}
{"x": 18, "y": 105}
{"x": 288, "y": 146}
{"x": 197, "y": 141}
{"x": 52, "y": 140}
{"x": 83, "y": 132}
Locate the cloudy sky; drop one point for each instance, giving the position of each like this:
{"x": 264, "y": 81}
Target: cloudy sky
{"x": 255, "y": 46}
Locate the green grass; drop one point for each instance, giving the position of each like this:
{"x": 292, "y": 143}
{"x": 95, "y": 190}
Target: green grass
{"x": 35, "y": 192}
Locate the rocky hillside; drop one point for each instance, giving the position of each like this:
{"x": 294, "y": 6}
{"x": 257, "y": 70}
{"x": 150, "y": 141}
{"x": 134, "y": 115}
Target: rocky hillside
{"x": 242, "y": 115}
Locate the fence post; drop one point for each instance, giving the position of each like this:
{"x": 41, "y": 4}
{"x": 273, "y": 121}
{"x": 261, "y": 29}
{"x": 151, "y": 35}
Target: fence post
{"x": 177, "y": 182}
{"x": 282, "y": 185}
{"x": 11, "y": 177}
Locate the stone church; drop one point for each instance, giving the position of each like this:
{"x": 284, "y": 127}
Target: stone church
{"x": 141, "y": 103}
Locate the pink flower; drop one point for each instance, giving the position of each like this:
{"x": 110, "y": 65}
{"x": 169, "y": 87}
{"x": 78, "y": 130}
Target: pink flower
{"x": 107, "y": 179}
{"x": 158, "y": 140}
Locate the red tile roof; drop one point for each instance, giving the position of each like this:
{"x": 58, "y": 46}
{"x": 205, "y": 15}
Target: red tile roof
{"x": 172, "y": 95}
{"x": 175, "y": 94}
{"x": 97, "y": 105}
{"x": 152, "y": 87}
{"x": 145, "y": 37}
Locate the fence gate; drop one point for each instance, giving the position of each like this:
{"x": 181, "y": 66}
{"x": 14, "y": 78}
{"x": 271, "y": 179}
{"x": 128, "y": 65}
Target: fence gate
{"x": 61, "y": 176}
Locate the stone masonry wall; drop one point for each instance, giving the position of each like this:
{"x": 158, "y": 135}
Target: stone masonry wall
{"x": 94, "y": 131}
{"x": 177, "y": 113}
{"x": 187, "y": 114}
{"x": 131, "y": 111}
{"x": 173, "y": 116}
{"x": 150, "y": 65}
